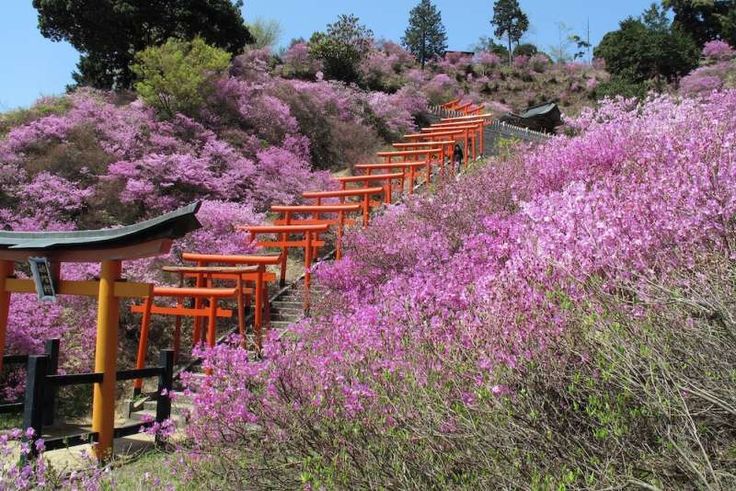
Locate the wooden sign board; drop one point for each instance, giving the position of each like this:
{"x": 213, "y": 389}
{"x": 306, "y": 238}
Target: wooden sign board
{"x": 43, "y": 279}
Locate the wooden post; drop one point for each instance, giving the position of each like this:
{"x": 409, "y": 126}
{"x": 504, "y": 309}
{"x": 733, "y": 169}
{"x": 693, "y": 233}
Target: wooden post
{"x": 6, "y": 271}
{"x": 308, "y": 267}
{"x": 49, "y": 404}
{"x": 33, "y": 412}
{"x": 165, "y": 386}
{"x": 340, "y": 231}
{"x": 212, "y": 323}
{"x": 258, "y": 306}
{"x": 285, "y": 257}
{"x": 240, "y": 286}
{"x": 366, "y": 209}
{"x": 143, "y": 343}
{"x": 197, "y": 337}
{"x": 108, "y": 318}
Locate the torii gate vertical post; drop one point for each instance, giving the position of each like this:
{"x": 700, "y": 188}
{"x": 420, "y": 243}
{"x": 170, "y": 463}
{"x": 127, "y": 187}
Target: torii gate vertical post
{"x": 106, "y": 351}
{"x": 108, "y": 248}
{"x": 6, "y": 270}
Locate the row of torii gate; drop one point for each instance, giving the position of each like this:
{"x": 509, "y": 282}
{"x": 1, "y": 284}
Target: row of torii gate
{"x": 415, "y": 160}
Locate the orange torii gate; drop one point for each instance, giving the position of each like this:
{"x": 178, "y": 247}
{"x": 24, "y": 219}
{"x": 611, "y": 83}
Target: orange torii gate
{"x": 259, "y": 278}
{"x": 409, "y": 168}
{"x": 109, "y": 248}
{"x": 340, "y": 222}
{"x": 309, "y": 244}
{"x": 366, "y": 179}
{"x": 212, "y": 312}
{"x": 462, "y": 134}
{"x": 475, "y": 131}
{"x": 363, "y": 193}
{"x": 458, "y": 105}
{"x": 480, "y": 125}
{"x": 463, "y": 107}
{"x": 446, "y": 145}
{"x": 484, "y": 116}
{"x": 427, "y": 155}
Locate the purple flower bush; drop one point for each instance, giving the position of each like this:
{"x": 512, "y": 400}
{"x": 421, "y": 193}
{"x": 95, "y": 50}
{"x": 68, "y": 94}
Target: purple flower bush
{"x": 718, "y": 50}
{"x": 485, "y": 62}
{"x": 462, "y": 291}
{"x": 299, "y": 64}
{"x": 717, "y": 70}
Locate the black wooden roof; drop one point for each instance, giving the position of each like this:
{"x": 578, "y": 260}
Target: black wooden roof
{"x": 172, "y": 225}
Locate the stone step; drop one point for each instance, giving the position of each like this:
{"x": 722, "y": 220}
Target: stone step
{"x": 290, "y": 320}
{"x": 287, "y": 313}
{"x": 288, "y": 305}
{"x": 150, "y": 415}
{"x": 279, "y": 325}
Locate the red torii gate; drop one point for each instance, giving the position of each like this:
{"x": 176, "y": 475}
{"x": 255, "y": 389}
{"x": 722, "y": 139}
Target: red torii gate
{"x": 109, "y": 248}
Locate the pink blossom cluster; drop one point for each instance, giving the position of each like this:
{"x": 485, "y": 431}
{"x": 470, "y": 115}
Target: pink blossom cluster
{"x": 717, "y": 70}
{"x": 718, "y": 50}
{"x": 485, "y": 62}
{"x": 298, "y": 63}
{"x": 460, "y": 286}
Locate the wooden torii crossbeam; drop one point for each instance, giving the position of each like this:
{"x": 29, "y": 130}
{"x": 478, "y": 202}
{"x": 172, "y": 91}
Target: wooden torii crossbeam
{"x": 109, "y": 248}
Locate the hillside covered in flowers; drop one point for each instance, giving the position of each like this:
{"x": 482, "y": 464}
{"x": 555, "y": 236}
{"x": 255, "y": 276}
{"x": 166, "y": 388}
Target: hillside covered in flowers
{"x": 559, "y": 317}
{"x": 267, "y": 128}
{"x": 563, "y": 317}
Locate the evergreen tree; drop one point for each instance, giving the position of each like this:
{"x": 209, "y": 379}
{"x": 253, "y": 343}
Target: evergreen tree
{"x": 342, "y": 48}
{"x": 425, "y": 37}
{"x": 648, "y": 48}
{"x": 509, "y": 21}
{"x": 108, "y": 33}
{"x": 705, "y": 20}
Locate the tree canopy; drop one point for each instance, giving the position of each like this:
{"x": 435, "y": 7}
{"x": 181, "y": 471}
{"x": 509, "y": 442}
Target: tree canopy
{"x": 342, "y": 47}
{"x": 705, "y": 20}
{"x": 266, "y": 33}
{"x": 509, "y": 21}
{"x": 425, "y": 37}
{"x": 648, "y": 48}
{"x": 108, "y": 33}
{"x": 172, "y": 77}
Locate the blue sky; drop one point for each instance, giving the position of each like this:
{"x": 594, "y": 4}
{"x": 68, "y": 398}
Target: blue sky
{"x": 33, "y": 66}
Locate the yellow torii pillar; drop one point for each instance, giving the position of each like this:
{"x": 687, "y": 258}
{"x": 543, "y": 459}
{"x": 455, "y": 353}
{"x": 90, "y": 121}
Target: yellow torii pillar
{"x": 108, "y": 248}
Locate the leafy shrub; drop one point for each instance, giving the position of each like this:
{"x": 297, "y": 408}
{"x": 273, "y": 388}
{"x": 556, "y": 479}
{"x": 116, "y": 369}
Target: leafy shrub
{"x": 173, "y": 77}
{"x": 298, "y": 63}
{"x": 718, "y": 50}
{"x": 485, "y": 62}
{"x": 342, "y": 48}
{"x": 620, "y": 87}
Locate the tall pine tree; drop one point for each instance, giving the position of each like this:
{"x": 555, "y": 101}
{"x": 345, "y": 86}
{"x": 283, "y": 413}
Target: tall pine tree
{"x": 425, "y": 37}
{"x": 510, "y": 21}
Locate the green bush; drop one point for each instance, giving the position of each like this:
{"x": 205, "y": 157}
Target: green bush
{"x": 620, "y": 86}
{"x": 174, "y": 77}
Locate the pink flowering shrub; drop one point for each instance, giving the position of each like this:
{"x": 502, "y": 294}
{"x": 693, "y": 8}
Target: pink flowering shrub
{"x": 485, "y": 62}
{"x": 387, "y": 108}
{"x": 299, "y": 64}
{"x": 520, "y": 61}
{"x": 718, "y": 50}
{"x": 717, "y": 70}
{"x": 381, "y": 68}
{"x": 440, "y": 89}
{"x": 501, "y": 290}
{"x": 539, "y": 63}
{"x": 699, "y": 84}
